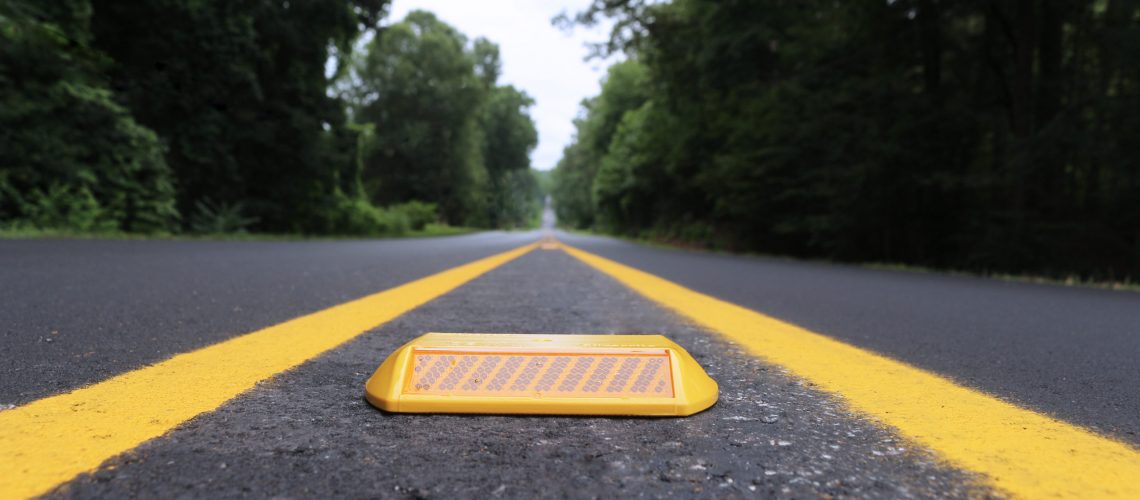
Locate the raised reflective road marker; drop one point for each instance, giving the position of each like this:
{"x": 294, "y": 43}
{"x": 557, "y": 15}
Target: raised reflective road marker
{"x": 542, "y": 374}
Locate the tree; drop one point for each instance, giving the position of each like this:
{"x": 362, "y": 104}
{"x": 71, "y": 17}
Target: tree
{"x": 239, "y": 100}
{"x": 446, "y": 131}
{"x": 238, "y": 93}
{"x": 624, "y": 90}
{"x": 70, "y": 157}
{"x": 417, "y": 85}
{"x": 509, "y": 137}
{"x": 979, "y": 135}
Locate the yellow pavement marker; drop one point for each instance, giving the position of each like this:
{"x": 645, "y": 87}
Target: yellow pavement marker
{"x": 548, "y": 243}
{"x": 542, "y": 374}
{"x": 1021, "y": 452}
{"x": 49, "y": 441}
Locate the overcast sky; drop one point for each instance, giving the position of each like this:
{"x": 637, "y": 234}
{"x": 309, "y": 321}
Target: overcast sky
{"x": 537, "y": 57}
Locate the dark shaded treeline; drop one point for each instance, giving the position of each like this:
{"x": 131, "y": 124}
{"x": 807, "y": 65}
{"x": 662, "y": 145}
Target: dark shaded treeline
{"x": 988, "y": 135}
{"x": 216, "y": 116}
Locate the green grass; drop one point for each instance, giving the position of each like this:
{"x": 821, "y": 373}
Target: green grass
{"x": 1071, "y": 280}
{"x": 441, "y": 230}
{"x": 431, "y": 230}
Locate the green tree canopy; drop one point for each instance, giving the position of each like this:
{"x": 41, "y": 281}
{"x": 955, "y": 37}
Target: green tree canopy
{"x": 238, "y": 93}
{"x": 509, "y": 137}
{"x": 417, "y": 85}
{"x": 70, "y": 156}
{"x": 981, "y": 135}
{"x": 446, "y": 132}
{"x": 624, "y": 90}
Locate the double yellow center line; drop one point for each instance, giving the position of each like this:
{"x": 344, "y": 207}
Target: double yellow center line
{"x": 50, "y": 441}
{"x": 1020, "y": 452}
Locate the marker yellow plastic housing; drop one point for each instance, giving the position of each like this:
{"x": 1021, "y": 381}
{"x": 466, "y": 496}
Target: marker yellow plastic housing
{"x": 542, "y": 374}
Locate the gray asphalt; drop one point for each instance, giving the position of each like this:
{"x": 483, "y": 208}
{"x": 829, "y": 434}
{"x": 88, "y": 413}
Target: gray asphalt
{"x": 1067, "y": 351}
{"x": 76, "y": 312}
{"x": 308, "y": 433}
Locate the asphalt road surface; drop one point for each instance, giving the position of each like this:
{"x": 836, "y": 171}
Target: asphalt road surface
{"x": 1068, "y": 351}
{"x": 73, "y": 313}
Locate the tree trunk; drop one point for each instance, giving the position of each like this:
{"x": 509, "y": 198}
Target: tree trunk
{"x": 930, "y": 36}
{"x": 1050, "y": 166}
{"x": 1022, "y": 102}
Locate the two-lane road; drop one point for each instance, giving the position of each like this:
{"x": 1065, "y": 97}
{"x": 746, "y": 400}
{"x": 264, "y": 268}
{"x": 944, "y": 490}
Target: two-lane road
{"x": 74, "y": 313}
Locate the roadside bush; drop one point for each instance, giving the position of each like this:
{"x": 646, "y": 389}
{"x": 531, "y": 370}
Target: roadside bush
{"x": 219, "y": 218}
{"x": 348, "y": 215}
{"x": 62, "y": 207}
{"x": 419, "y": 214}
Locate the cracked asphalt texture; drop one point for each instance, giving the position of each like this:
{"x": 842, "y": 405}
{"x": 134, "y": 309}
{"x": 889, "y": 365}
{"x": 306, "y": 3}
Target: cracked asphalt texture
{"x": 309, "y": 433}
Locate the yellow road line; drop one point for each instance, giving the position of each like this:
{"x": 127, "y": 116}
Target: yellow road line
{"x": 49, "y": 441}
{"x": 1021, "y": 452}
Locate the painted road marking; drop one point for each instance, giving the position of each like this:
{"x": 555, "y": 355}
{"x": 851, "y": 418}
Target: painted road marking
{"x": 50, "y": 441}
{"x": 1021, "y": 452}
{"x": 548, "y": 243}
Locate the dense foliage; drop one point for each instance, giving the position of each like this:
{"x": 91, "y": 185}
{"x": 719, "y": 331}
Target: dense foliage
{"x": 995, "y": 135}
{"x": 214, "y": 116}
{"x": 449, "y": 134}
{"x": 69, "y": 154}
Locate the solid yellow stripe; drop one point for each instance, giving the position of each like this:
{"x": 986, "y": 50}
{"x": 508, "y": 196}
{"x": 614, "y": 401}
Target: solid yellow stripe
{"x": 1021, "y": 452}
{"x": 49, "y": 441}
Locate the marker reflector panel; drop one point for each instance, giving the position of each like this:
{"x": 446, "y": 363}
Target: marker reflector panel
{"x": 542, "y": 374}
{"x": 614, "y": 374}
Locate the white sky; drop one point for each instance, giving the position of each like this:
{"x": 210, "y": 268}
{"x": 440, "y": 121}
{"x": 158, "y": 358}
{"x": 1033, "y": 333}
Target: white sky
{"x": 537, "y": 57}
